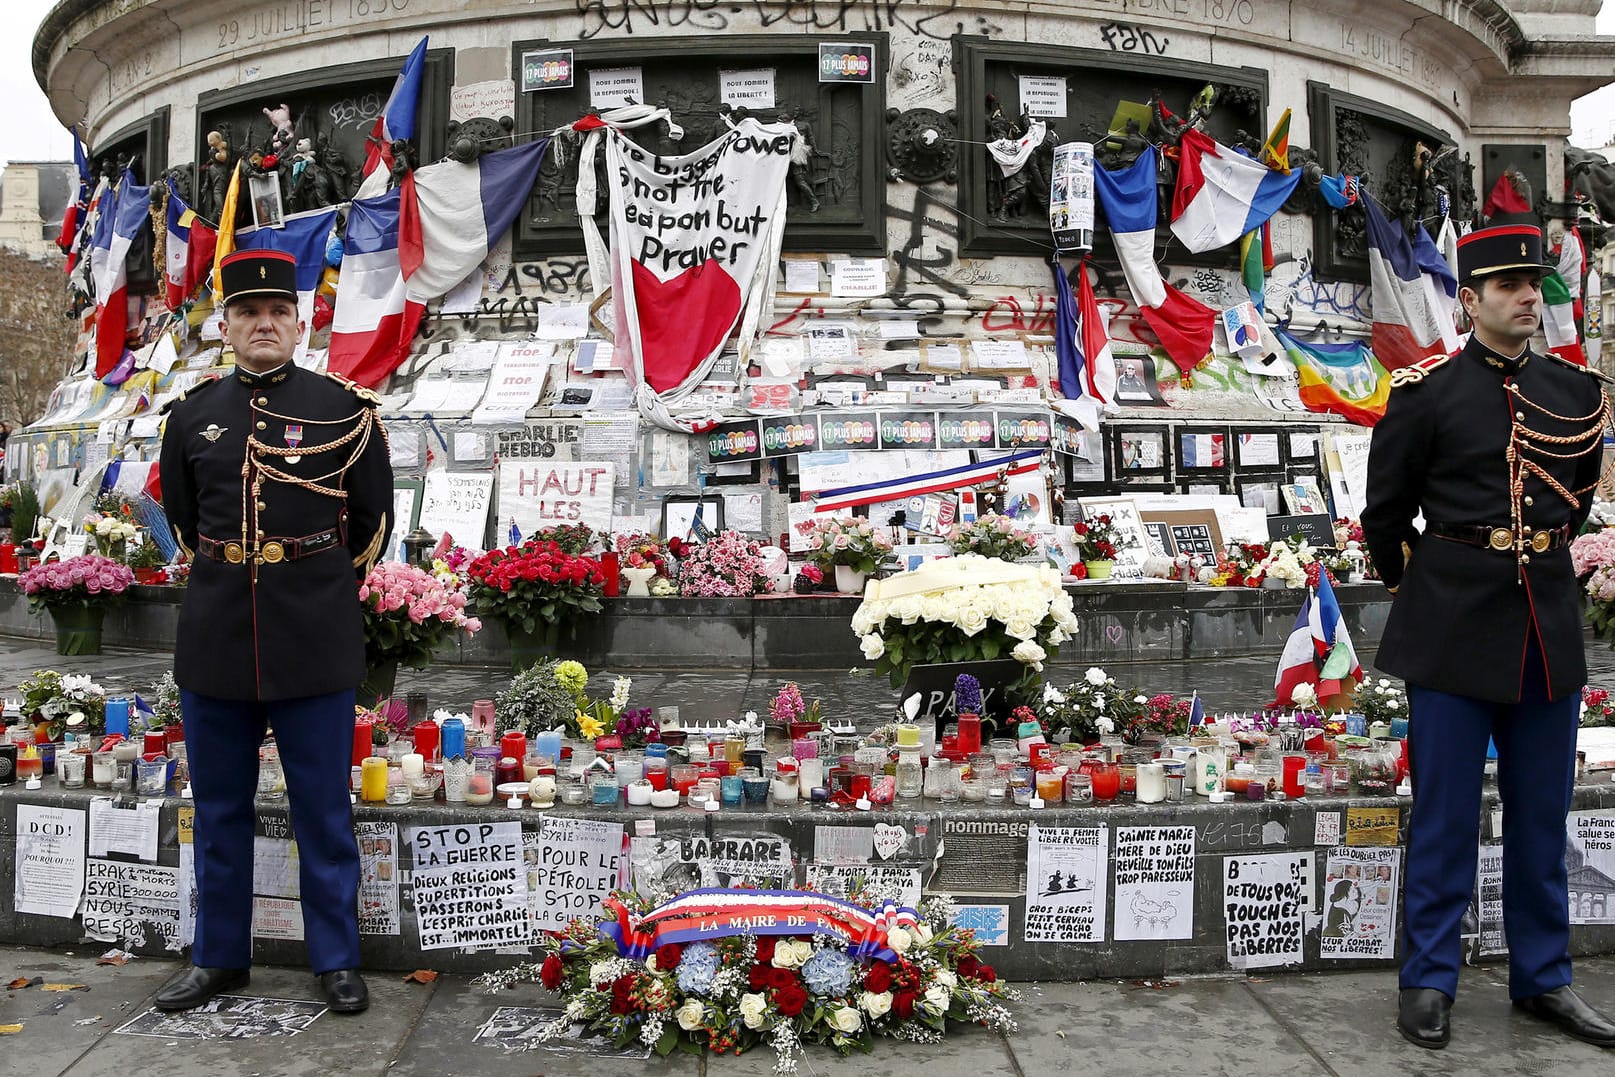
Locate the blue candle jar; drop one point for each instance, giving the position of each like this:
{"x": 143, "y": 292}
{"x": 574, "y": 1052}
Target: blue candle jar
{"x": 117, "y": 716}
{"x": 731, "y": 789}
{"x": 453, "y": 745}
{"x": 605, "y": 791}
{"x": 754, "y": 785}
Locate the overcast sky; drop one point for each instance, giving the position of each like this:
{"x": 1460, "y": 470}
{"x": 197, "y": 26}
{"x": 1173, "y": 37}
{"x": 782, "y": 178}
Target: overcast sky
{"x": 29, "y": 131}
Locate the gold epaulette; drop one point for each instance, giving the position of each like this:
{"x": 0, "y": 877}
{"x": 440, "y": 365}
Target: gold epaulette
{"x": 369, "y": 396}
{"x": 1414, "y": 373}
{"x": 1587, "y": 370}
{"x": 197, "y": 388}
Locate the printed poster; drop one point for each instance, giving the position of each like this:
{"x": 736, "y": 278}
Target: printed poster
{"x": 1263, "y": 899}
{"x": 1590, "y": 861}
{"x": 1359, "y": 902}
{"x": 50, "y": 860}
{"x": 378, "y": 878}
{"x": 1154, "y": 882}
{"x": 1067, "y": 880}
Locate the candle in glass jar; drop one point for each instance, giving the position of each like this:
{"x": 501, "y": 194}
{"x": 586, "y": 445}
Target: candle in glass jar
{"x": 969, "y": 733}
{"x": 363, "y": 740}
{"x": 413, "y": 766}
{"x": 1107, "y": 780}
{"x": 1151, "y": 782}
{"x": 809, "y": 776}
{"x": 479, "y": 790}
{"x": 373, "y": 780}
{"x": 426, "y": 736}
{"x": 1051, "y": 785}
{"x": 514, "y": 744}
{"x": 482, "y": 716}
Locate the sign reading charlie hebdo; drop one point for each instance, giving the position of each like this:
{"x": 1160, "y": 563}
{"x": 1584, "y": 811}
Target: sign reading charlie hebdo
{"x": 694, "y": 251}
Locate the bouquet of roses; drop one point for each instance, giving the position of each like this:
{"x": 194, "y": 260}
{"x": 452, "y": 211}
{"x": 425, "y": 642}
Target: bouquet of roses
{"x": 1241, "y": 565}
{"x": 639, "y": 550}
{"x": 1100, "y": 539}
{"x": 1090, "y": 708}
{"x": 730, "y": 565}
{"x": 992, "y": 536}
{"x": 62, "y": 702}
{"x": 1595, "y": 707}
{"x": 850, "y": 542}
{"x": 408, "y": 613}
{"x": 1287, "y": 560}
{"x": 737, "y": 991}
{"x": 571, "y": 538}
{"x": 86, "y": 580}
{"x": 536, "y": 583}
{"x": 1162, "y": 715}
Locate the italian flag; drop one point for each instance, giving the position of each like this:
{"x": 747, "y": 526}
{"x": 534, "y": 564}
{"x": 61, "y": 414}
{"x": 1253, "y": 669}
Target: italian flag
{"x": 1559, "y": 319}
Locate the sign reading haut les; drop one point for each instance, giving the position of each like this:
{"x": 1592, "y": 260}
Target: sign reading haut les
{"x": 536, "y": 494}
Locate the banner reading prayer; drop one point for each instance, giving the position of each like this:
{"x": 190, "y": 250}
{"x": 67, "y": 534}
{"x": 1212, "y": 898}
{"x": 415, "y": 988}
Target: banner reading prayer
{"x": 694, "y": 254}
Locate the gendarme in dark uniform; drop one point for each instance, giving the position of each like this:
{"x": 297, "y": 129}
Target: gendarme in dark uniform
{"x": 277, "y": 483}
{"x": 1499, "y": 448}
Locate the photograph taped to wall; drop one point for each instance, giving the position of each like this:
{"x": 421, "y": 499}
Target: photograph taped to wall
{"x": 1139, "y": 451}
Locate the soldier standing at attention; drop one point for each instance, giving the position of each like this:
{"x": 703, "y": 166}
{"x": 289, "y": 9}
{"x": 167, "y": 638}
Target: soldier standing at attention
{"x": 277, "y": 483}
{"x": 1499, "y": 448}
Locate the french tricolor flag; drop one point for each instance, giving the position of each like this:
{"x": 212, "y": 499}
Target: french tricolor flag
{"x": 1412, "y": 290}
{"x": 188, "y": 251}
{"x": 1082, "y": 347}
{"x": 929, "y": 482}
{"x": 1183, "y": 325}
{"x": 397, "y": 120}
{"x": 1222, "y": 195}
{"x": 116, "y": 229}
{"x": 373, "y": 327}
{"x": 1319, "y": 650}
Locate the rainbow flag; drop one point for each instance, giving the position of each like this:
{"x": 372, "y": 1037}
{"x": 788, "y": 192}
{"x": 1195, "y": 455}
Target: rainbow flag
{"x": 1341, "y": 379}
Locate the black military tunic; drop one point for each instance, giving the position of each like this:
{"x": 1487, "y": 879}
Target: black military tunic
{"x": 1457, "y": 437}
{"x": 280, "y": 487}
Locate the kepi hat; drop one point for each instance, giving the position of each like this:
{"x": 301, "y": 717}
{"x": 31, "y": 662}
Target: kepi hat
{"x": 258, "y": 272}
{"x": 1504, "y": 249}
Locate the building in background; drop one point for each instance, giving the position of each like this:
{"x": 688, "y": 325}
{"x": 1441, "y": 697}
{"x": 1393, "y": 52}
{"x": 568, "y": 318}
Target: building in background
{"x": 33, "y": 195}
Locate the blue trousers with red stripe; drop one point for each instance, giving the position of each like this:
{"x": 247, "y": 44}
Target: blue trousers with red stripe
{"x": 1536, "y": 766}
{"x": 313, "y": 735}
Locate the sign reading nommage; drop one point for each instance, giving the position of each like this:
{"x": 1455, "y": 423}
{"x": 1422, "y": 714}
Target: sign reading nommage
{"x": 694, "y": 253}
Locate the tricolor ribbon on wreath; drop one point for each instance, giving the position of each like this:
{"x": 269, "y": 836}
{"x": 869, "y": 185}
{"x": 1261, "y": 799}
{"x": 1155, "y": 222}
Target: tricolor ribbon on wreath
{"x": 718, "y": 913}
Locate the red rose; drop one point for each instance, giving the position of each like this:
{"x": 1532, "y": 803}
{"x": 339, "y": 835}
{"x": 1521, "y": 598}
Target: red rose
{"x": 765, "y": 949}
{"x": 878, "y": 978}
{"x": 622, "y": 1004}
{"x": 790, "y": 1000}
{"x": 903, "y": 1004}
{"x": 668, "y": 955}
{"x": 758, "y": 977}
{"x": 969, "y": 965}
{"x": 550, "y": 974}
{"x": 781, "y": 978}
{"x": 987, "y": 975}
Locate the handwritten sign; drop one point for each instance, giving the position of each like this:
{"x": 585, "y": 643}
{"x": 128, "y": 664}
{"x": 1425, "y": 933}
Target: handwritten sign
{"x": 535, "y": 495}
{"x": 1067, "y": 880}
{"x": 470, "y": 889}
{"x": 580, "y": 861}
{"x": 457, "y": 503}
{"x": 50, "y": 860}
{"x": 1371, "y": 826}
{"x": 493, "y": 99}
{"x": 1154, "y": 882}
{"x": 867, "y": 882}
{"x": 1263, "y": 899}
{"x": 516, "y": 383}
{"x": 747, "y": 89}
{"x": 1326, "y": 828}
{"x": 1359, "y": 903}
{"x": 131, "y": 903}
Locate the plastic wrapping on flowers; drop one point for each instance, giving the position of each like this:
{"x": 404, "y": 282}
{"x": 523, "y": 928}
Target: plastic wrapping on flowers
{"x": 739, "y": 992}
{"x": 964, "y": 609}
{"x": 1592, "y": 556}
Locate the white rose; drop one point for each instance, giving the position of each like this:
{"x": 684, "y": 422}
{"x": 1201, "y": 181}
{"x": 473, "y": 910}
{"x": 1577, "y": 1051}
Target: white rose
{"x": 863, "y": 621}
{"x": 1105, "y": 725}
{"x": 847, "y": 1019}
{"x": 1393, "y": 704}
{"x": 947, "y": 979}
{"x": 1385, "y": 682}
{"x": 1095, "y": 676}
{"x": 599, "y": 973}
{"x": 1030, "y": 653}
{"x": 875, "y": 1005}
{"x": 1303, "y": 695}
{"x": 1020, "y": 628}
{"x": 690, "y": 1015}
{"x": 1141, "y": 699}
{"x": 873, "y": 646}
{"x": 789, "y": 953}
{"x": 922, "y": 932}
{"x": 753, "y": 1010}
{"x": 971, "y": 620}
{"x": 937, "y": 998}
{"x": 908, "y": 608}
{"x": 650, "y": 963}
{"x": 899, "y": 940}
{"x": 1057, "y": 635}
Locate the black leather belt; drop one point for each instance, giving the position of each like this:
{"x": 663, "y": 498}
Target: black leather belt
{"x": 1501, "y": 539}
{"x": 270, "y": 551}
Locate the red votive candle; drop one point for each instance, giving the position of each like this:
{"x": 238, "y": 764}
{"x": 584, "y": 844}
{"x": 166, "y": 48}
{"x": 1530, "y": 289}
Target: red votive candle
{"x": 611, "y": 568}
{"x": 363, "y": 740}
{"x": 1294, "y": 767}
{"x": 426, "y": 736}
{"x": 513, "y": 744}
{"x": 969, "y": 733}
{"x": 155, "y": 742}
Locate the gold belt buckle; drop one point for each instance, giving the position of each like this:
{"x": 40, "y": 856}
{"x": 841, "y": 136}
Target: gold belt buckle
{"x": 273, "y": 553}
{"x": 1540, "y": 541}
{"x": 234, "y": 553}
{"x": 1501, "y": 539}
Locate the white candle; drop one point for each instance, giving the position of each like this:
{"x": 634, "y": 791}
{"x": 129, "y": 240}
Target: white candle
{"x": 809, "y": 776}
{"x": 414, "y": 766}
{"x": 1151, "y": 783}
{"x": 639, "y": 793}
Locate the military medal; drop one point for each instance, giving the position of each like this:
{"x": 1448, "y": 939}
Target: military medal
{"x": 213, "y": 431}
{"x": 294, "y": 435}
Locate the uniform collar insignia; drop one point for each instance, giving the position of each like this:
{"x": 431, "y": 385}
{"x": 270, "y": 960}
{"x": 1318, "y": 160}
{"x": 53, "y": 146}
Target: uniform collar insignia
{"x": 213, "y": 431}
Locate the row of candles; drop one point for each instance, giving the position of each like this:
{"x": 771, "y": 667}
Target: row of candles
{"x": 147, "y": 765}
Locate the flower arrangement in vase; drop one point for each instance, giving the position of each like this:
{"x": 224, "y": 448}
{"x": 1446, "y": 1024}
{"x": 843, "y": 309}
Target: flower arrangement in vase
{"x": 735, "y": 991}
{"x": 792, "y": 714}
{"x": 728, "y": 566}
{"x": 77, "y": 592}
{"x": 848, "y": 546}
{"x": 643, "y": 559}
{"x": 1098, "y": 541}
{"x": 146, "y": 561}
{"x": 1092, "y": 707}
{"x": 535, "y": 588}
{"x": 992, "y": 536}
{"x": 408, "y": 613}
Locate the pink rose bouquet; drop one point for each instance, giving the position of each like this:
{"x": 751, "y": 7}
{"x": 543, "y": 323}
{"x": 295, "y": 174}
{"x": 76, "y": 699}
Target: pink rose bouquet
{"x": 408, "y": 612}
{"x": 86, "y": 580}
{"x": 729, "y": 566}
